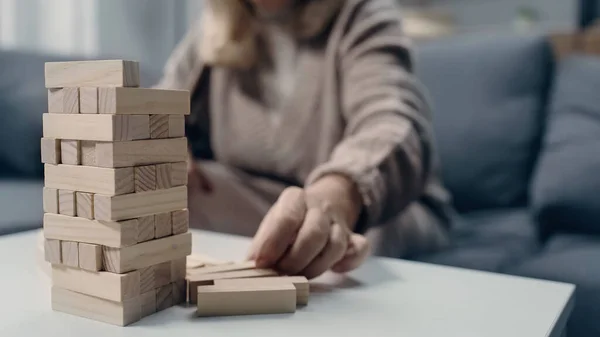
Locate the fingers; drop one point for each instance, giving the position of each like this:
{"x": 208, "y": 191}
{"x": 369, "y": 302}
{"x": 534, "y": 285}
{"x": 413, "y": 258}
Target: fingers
{"x": 311, "y": 240}
{"x": 279, "y": 228}
{"x": 357, "y": 252}
{"x": 333, "y": 252}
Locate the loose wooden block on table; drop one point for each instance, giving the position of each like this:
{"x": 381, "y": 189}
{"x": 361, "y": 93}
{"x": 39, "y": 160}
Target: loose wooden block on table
{"x": 53, "y": 251}
{"x": 67, "y": 202}
{"x": 107, "y": 128}
{"x": 164, "y": 297}
{"x": 101, "y": 73}
{"x": 141, "y": 152}
{"x": 163, "y": 226}
{"x": 128, "y": 206}
{"x": 111, "y": 312}
{"x": 90, "y": 179}
{"x": 159, "y": 126}
{"x": 88, "y": 100}
{"x": 70, "y": 152}
{"x": 251, "y": 300}
{"x": 181, "y": 221}
{"x": 176, "y": 126}
{"x": 138, "y": 101}
{"x": 145, "y": 228}
{"x": 300, "y": 282}
{"x": 105, "y": 233}
{"x": 105, "y": 285}
{"x": 90, "y": 257}
{"x": 154, "y": 277}
{"x": 208, "y": 279}
{"x": 50, "y": 200}
{"x": 50, "y": 150}
{"x": 70, "y": 253}
{"x": 145, "y": 178}
{"x": 88, "y": 153}
{"x": 224, "y": 268}
{"x": 85, "y": 205}
{"x": 125, "y": 259}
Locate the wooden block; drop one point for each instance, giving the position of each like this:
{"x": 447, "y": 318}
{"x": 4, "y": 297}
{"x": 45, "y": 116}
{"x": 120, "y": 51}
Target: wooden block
{"x": 224, "y": 268}
{"x": 105, "y": 285}
{"x": 155, "y": 276}
{"x": 105, "y": 233}
{"x": 103, "y": 73}
{"x": 208, "y": 279}
{"x": 180, "y": 221}
{"x": 50, "y": 196}
{"x": 88, "y": 153}
{"x": 52, "y": 251}
{"x": 90, "y": 257}
{"x": 179, "y": 292}
{"x": 141, "y": 101}
{"x": 148, "y": 302}
{"x": 94, "y": 308}
{"x": 50, "y": 149}
{"x": 71, "y": 100}
{"x": 67, "y": 203}
{"x": 70, "y": 152}
{"x": 164, "y": 297}
{"x": 55, "y": 101}
{"x": 141, "y": 152}
{"x": 208, "y": 260}
{"x": 90, "y": 179}
{"x": 163, "y": 176}
{"x": 192, "y": 263}
{"x": 178, "y": 269}
{"x": 105, "y": 128}
{"x": 85, "y": 205}
{"x": 135, "y": 205}
{"x": 162, "y": 225}
{"x": 70, "y": 253}
{"x": 145, "y": 228}
{"x": 125, "y": 259}
{"x": 300, "y": 282}
{"x": 88, "y": 100}
{"x": 249, "y": 300}
{"x": 176, "y": 126}
{"x": 145, "y": 178}
{"x": 179, "y": 174}
{"x": 159, "y": 126}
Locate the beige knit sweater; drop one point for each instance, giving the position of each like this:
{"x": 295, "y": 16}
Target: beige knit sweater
{"x": 356, "y": 109}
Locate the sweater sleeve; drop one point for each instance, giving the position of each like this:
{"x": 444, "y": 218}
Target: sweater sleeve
{"x": 386, "y": 148}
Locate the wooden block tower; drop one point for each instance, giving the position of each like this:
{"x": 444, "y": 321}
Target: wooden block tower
{"x": 115, "y": 195}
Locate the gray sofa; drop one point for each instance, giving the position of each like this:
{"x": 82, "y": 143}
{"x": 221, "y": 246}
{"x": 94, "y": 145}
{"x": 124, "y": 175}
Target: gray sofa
{"x": 518, "y": 134}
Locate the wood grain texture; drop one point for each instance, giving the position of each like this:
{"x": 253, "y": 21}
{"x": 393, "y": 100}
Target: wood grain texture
{"x": 142, "y": 101}
{"x": 164, "y": 297}
{"x": 207, "y": 279}
{"x": 105, "y": 285}
{"x": 70, "y": 152}
{"x": 50, "y": 150}
{"x": 300, "y": 282}
{"x": 67, "y": 202}
{"x": 90, "y": 257}
{"x": 88, "y": 153}
{"x": 105, "y": 233}
{"x": 163, "y": 176}
{"x": 125, "y": 259}
{"x": 178, "y": 269}
{"x": 71, "y": 100}
{"x": 101, "y": 73}
{"x": 159, "y": 126}
{"x": 90, "y": 179}
{"x": 148, "y": 302}
{"x": 107, "y": 128}
{"x": 95, "y": 308}
{"x": 52, "y": 251}
{"x": 179, "y": 174}
{"x": 176, "y": 126}
{"x": 224, "y": 268}
{"x": 145, "y": 178}
{"x": 50, "y": 200}
{"x": 88, "y": 100}
{"x": 135, "y": 205}
{"x": 145, "y": 228}
{"x": 162, "y": 225}
{"x": 180, "y": 221}
{"x": 141, "y": 152}
{"x": 179, "y": 292}
{"x": 70, "y": 253}
{"x": 55, "y": 100}
{"x": 155, "y": 276}
{"x": 85, "y": 205}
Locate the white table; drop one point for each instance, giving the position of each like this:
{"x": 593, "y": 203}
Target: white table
{"x": 383, "y": 298}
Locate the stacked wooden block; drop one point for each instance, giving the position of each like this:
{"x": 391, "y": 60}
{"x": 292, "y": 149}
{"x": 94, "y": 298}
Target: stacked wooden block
{"x": 115, "y": 196}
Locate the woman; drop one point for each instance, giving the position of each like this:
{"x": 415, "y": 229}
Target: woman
{"x": 311, "y": 131}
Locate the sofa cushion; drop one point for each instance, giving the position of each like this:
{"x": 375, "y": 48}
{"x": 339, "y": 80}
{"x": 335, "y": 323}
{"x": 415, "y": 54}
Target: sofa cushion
{"x": 488, "y": 240}
{"x": 20, "y": 206}
{"x": 488, "y": 96}
{"x": 571, "y": 259}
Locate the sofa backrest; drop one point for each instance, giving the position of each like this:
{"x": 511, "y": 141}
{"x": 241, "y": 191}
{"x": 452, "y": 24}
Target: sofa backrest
{"x": 489, "y": 95}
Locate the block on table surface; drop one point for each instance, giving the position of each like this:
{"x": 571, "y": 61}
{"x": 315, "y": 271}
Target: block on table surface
{"x": 162, "y": 225}
{"x": 176, "y": 126}
{"x": 107, "y": 128}
{"x": 246, "y": 265}
{"x": 145, "y": 228}
{"x": 135, "y": 205}
{"x": 180, "y": 221}
{"x": 250, "y": 300}
{"x": 159, "y": 126}
{"x": 50, "y": 150}
{"x": 142, "y": 101}
{"x": 105, "y": 285}
{"x": 94, "y": 308}
{"x": 155, "y": 276}
{"x": 70, "y": 253}
{"x": 145, "y": 178}
{"x": 90, "y": 257}
{"x": 50, "y": 200}
{"x": 209, "y": 279}
{"x": 125, "y": 259}
{"x": 300, "y": 282}
{"x": 164, "y": 297}
{"x": 101, "y": 180}
{"x": 141, "y": 152}
{"x": 55, "y": 100}
{"x": 105, "y": 233}
{"x": 67, "y": 202}
{"x": 53, "y": 251}
{"x": 88, "y": 100}
{"x": 101, "y": 73}
{"x": 88, "y": 153}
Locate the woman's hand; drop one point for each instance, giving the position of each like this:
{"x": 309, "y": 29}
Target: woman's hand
{"x": 309, "y": 231}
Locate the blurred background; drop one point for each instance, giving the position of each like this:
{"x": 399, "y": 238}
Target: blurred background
{"x": 515, "y": 86}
